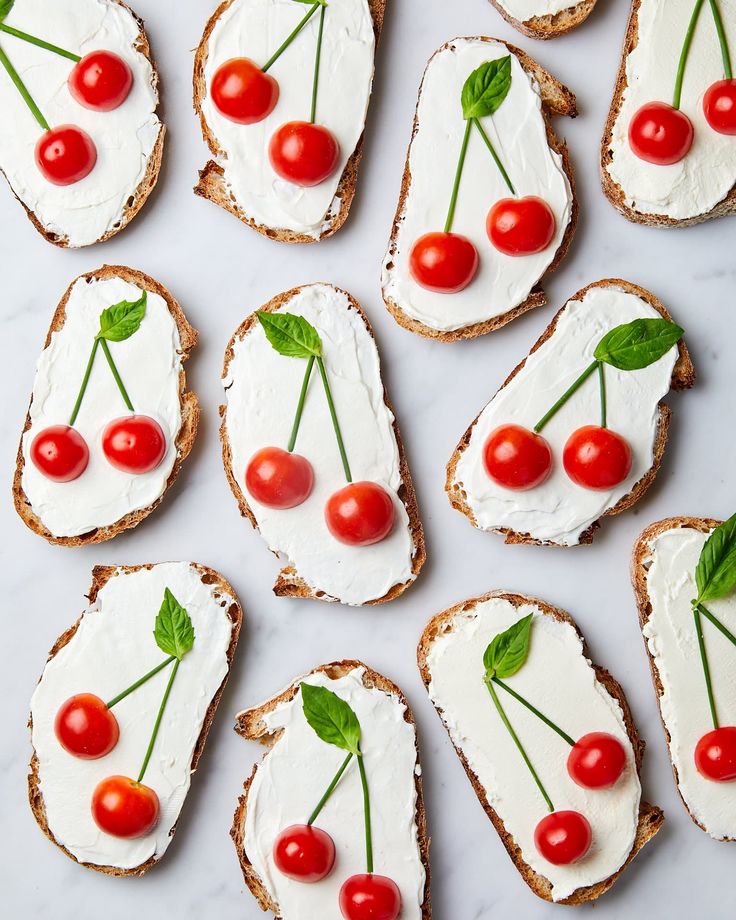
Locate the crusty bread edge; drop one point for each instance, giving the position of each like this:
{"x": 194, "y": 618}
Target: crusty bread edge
{"x": 250, "y": 724}
{"x": 101, "y": 574}
{"x": 551, "y": 25}
{"x": 650, "y": 816}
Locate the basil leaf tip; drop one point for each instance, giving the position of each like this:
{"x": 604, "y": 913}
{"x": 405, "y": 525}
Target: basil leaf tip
{"x": 635, "y": 345}
{"x": 122, "y": 320}
{"x": 173, "y": 630}
{"x": 486, "y": 88}
{"x": 331, "y": 718}
{"x": 715, "y": 575}
{"x": 290, "y": 335}
{"x": 507, "y": 652}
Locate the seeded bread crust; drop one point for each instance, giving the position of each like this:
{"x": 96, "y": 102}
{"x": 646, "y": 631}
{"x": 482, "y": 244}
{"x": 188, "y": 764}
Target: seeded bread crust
{"x": 683, "y": 377}
{"x": 651, "y": 817}
{"x": 101, "y": 574}
{"x": 552, "y": 25}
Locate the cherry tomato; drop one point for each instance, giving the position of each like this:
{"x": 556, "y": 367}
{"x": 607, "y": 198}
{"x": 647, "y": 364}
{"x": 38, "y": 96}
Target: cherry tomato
{"x": 65, "y": 155}
{"x": 278, "y": 479}
{"x": 100, "y": 81}
{"x": 60, "y": 453}
{"x": 303, "y": 153}
{"x": 719, "y": 106}
{"x": 596, "y": 458}
{"x": 134, "y": 444}
{"x": 660, "y": 134}
{"x": 360, "y": 514}
{"x": 85, "y": 727}
{"x": 242, "y": 92}
{"x": 715, "y": 755}
{"x": 124, "y": 808}
{"x": 521, "y": 226}
{"x": 443, "y": 262}
{"x": 304, "y": 853}
{"x": 370, "y": 897}
{"x": 563, "y": 837}
{"x": 596, "y": 761}
{"x": 517, "y": 458}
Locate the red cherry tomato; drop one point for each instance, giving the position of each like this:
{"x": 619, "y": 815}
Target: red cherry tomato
{"x": 304, "y": 853}
{"x": 360, "y": 514}
{"x": 443, "y": 262}
{"x": 100, "y": 81}
{"x": 715, "y": 755}
{"x": 303, "y": 153}
{"x": 134, "y": 444}
{"x": 65, "y": 155}
{"x": 517, "y": 458}
{"x": 124, "y": 808}
{"x": 85, "y": 727}
{"x": 370, "y": 897}
{"x": 563, "y": 837}
{"x": 719, "y": 106}
{"x": 596, "y": 458}
{"x": 60, "y": 453}
{"x": 521, "y": 226}
{"x": 660, "y": 134}
{"x": 596, "y": 761}
{"x": 242, "y": 92}
{"x": 278, "y": 479}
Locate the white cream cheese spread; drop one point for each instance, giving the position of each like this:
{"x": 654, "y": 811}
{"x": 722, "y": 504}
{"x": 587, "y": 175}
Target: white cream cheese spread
{"x": 523, "y": 10}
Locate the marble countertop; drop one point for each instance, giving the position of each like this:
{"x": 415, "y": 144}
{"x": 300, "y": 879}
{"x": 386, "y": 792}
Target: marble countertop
{"x": 220, "y": 271}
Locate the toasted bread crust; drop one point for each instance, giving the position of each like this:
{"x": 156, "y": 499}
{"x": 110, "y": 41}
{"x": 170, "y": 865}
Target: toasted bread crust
{"x": 187, "y": 399}
{"x": 552, "y": 25}
{"x": 683, "y": 377}
{"x": 651, "y": 817}
{"x": 101, "y": 574}
{"x": 289, "y": 583}
{"x": 557, "y": 99}
{"x": 212, "y": 184}
{"x": 250, "y": 724}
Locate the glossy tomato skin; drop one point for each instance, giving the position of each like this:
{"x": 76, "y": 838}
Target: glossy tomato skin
{"x": 242, "y": 92}
{"x": 370, "y": 897}
{"x": 279, "y": 479}
{"x": 60, "y": 453}
{"x": 521, "y": 226}
{"x": 65, "y": 155}
{"x": 134, "y": 444}
{"x": 445, "y": 263}
{"x": 360, "y": 514}
{"x": 596, "y": 761}
{"x": 124, "y": 808}
{"x": 304, "y": 853}
{"x": 660, "y": 134}
{"x": 85, "y": 727}
{"x": 101, "y": 81}
{"x": 563, "y": 837}
{"x": 715, "y": 755}
{"x": 719, "y": 106}
{"x": 597, "y": 458}
{"x": 517, "y": 458}
{"x": 303, "y": 153}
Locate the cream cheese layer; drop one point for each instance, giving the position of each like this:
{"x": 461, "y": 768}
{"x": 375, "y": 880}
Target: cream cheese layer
{"x": 524, "y": 10}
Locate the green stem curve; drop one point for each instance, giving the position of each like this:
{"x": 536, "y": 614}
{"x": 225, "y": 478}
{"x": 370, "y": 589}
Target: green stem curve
{"x": 367, "y": 816}
{"x": 723, "y": 41}
{"x": 139, "y": 683}
{"x": 157, "y": 723}
{"x": 458, "y": 176}
{"x": 677, "y": 96}
{"x": 290, "y": 38}
{"x": 495, "y": 156}
{"x": 116, "y": 375}
{"x": 335, "y": 423}
{"x": 39, "y": 42}
{"x": 23, "y": 90}
{"x": 317, "y": 61}
{"x": 706, "y": 666}
{"x": 300, "y": 405}
{"x": 565, "y": 396}
{"x": 524, "y": 702}
{"x": 330, "y": 789}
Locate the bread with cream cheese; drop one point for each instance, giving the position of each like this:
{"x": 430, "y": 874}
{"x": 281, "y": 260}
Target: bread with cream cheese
{"x": 550, "y": 25}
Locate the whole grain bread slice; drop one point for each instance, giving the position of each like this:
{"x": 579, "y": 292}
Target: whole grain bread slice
{"x": 550, "y": 25}
{"x": 187, "y": 400}
{"x": 212, "y": 184}
{"x": 289, "y": 583}
{"x": 683, "y": 377}
{"x": 250, "y": 724}
{"x": 557, "y": 99}
{"x": 651, "y": 817}
{"x": 101, "y": 574}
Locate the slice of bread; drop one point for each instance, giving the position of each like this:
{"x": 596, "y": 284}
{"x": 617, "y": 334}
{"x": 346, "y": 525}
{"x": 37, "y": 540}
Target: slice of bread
{"x": 683, "y": 377}
{"x": 289, "y": 582}
{"x": 224, "y": 597}
{"x": 557, "y": 99}
{"x": 212, "y": 183}
{"x": 650, "y": 817}
{"x": 549, "y": 25}
{"x": 187, "y": 400}
{"x": 250, "y": 724}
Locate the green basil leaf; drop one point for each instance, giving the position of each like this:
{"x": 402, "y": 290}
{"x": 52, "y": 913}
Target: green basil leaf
{"x": 5, "y": 7}
{"x": 486, "y": 88}
{"x": 291, "y": 336}
{"x": 121, "y": 320}
{"x": 173, "y": 632}
{"x": 715, "y": 575}
{"x": 638, "y": 344}
{"x": 508, "y": 651}
{"x": 331, "y": 718}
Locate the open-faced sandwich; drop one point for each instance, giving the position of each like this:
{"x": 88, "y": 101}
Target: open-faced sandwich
{"x": 544, "y": 18}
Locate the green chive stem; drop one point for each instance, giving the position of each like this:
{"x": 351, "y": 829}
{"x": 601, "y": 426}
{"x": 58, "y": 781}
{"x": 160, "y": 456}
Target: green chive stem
{"x": 317, "y": 60}
{"x": 335, "y": 423}
{"x": 157, "y": 724}
{"x": 116, "y": 375}
{"x": 717, "y": 623}
{"x": 723, "y": 41}
{"x": 300, "y": 404}
{"x": 706, "y": 666}
{"x": 565, "y": 396}
{"x": 85, "y": 381}
{"x": 280, "y": 50}
{"x": 677, "y": 96}
{"x": 23, "y": 90}
{"x": 537, "y": 713}
{"x": 602, "y": 385}
{"x": 34, "y": 40}
{"x": 139, "y": 683}
{"x": 367, "y": 814}
{"x": 458, "y": 176}
{"x": 495, "y": 156}
{"x": 330, "y": 789}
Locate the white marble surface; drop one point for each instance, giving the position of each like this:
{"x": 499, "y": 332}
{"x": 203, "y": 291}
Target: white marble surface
{"x": 220, "y": 271}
